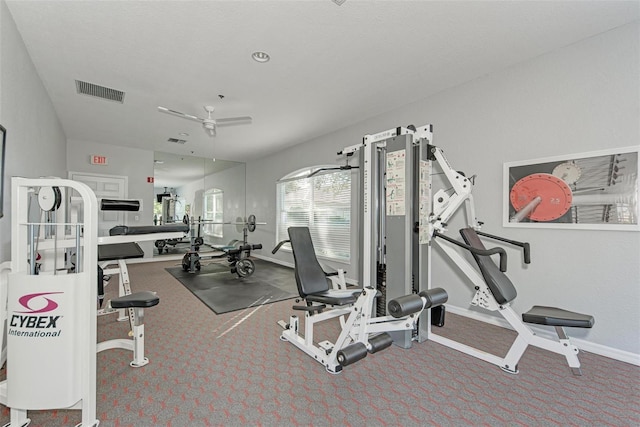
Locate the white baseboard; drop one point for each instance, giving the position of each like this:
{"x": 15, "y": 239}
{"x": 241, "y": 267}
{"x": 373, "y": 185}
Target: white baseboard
{"x": 591, "y": 347}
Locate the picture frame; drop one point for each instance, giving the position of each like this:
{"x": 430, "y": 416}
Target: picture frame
{"x": 3, "y": 138}
{"x": 596, "y": 190}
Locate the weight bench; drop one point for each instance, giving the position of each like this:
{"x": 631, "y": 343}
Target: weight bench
{"x": 133, "y": 303}
{"x": 237, "y": 254}
{"x": 361, "y": 333}
{"x": 495, "y": 292}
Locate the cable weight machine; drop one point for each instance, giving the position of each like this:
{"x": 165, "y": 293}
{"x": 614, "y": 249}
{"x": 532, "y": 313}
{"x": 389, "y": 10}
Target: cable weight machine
{"x": 398, "y": 216}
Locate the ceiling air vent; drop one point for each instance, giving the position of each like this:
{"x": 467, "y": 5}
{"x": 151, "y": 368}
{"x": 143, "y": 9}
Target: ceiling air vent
{"x": 107, "y": 93}
{"x": 177, "y": 141}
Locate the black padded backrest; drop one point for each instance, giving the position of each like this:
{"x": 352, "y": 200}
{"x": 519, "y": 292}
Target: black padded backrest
{"x": 498, "y": 282}
{"x": 310, "y": 276}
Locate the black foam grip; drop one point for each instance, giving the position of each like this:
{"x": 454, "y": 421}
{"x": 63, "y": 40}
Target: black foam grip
{"x": 405, "y": 305}
{"x": 257, "y": 246}
{"x": 119, "y": 205}
{"x": 100, "y": 285}
{"x": 527, "y": 253}
{"x": 434, "y": 297}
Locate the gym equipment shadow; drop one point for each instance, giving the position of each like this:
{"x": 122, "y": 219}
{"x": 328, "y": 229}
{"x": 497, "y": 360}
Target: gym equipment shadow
{"x": 224, "y": 292}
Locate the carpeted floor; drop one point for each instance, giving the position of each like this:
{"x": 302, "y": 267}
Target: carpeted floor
{"x": 223, "y": 291}
{"x": 232, "y": 370}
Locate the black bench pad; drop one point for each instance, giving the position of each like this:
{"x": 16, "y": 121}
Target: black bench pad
{"x": 125, "y": 230}
{"x": 334, "y": 297}
{"x": 137, "y": 299}
{"x": 119, "y": 251}
{"x": 557, "y": 317}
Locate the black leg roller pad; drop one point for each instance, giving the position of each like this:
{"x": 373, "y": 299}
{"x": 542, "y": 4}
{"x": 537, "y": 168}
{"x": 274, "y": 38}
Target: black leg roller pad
{"x": 414, "y": 303}
{"x": 380, "y": 342}
{"x": 352, "y": 353}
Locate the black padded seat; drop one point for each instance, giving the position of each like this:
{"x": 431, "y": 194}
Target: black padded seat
{"x": 125, "y": 230}
{"x": 138, "y": 299}
{"x": 311, "y": 279}
{"x": 334, "y": 297}
{"x": 557, "y": 317}
{"x": 501, "y": 287}
{"x": 116, "y": 251}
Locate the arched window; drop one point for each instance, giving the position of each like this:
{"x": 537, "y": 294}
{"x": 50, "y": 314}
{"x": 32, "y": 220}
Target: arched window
{"x": 213, "y": 208}
{"x": 322, "y": 203}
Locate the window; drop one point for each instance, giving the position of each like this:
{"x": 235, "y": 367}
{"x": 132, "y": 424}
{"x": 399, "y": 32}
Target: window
{"x": 322, "y": 203}
{"x": 213, "y": 211}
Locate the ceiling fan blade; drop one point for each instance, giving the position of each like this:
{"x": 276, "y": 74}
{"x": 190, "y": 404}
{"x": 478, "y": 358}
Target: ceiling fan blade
{"x": 179, "y": 114}
{"x": 234, "y": 121}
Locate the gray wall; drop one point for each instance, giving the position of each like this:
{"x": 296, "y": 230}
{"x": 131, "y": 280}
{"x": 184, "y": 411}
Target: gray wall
{"x": 131, "y": 162}
{"x": 582, "y": 98}
{"x": 36, "y": 144}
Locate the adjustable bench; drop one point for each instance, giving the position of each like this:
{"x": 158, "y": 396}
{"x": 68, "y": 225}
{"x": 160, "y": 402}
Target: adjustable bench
{"x": 133, "y": 303}
{"x": 495, "y": 292}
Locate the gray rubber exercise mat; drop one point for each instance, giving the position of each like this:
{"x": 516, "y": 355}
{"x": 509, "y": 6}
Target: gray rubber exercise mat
{"x": 223, "y": 291}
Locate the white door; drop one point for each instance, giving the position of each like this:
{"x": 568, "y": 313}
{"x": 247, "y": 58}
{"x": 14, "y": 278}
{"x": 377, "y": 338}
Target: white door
{"x": 105, "y": 187}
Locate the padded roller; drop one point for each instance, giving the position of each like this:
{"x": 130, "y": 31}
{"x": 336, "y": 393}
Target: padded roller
{"x": 405, "y": 305}
{"x": 124, "y": 230}
{"x": 119, "y": 205}
{"x": 434, "y": 297}
{"x": 380, "y": 342}
{"x": 352, "y": 353}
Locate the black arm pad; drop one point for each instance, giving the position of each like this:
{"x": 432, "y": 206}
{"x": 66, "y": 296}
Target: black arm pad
{"x": 119, "y": 205}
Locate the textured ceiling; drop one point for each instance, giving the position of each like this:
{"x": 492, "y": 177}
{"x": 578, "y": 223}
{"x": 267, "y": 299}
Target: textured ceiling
{"x": 331, "y": 65}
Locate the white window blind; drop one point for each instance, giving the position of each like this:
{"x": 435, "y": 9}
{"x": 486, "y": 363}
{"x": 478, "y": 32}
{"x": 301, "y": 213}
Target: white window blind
{"x": 322, "y": 203}
{"x": 213, "y": 211}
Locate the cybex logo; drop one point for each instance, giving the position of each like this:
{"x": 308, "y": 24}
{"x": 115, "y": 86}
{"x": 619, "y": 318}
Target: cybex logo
{"x": 28, "y": 322}
{"x": 27, "y": 301}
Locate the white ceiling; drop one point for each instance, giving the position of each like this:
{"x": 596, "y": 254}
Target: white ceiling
{"x": 331, "y": 65}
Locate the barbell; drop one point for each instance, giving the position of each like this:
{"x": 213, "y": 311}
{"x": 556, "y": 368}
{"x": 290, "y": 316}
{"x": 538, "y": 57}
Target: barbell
{"x": 250, "y": 223}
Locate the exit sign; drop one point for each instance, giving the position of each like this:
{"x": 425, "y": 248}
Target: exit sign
{"x": 98, "y": 160}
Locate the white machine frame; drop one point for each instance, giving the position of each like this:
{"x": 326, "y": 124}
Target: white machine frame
{"x": 135, "y": 315}
{"x": 358, "y": 326}
{"x": 432, "y": 220}
{"x": 54, "y": 371}
{"x": 444, "y": 206}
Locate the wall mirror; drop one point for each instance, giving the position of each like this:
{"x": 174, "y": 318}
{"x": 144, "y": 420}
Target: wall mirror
{"x": 195, "y": 190}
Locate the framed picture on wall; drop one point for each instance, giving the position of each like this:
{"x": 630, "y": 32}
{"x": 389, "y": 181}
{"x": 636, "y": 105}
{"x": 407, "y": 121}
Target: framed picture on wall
{"x": 593, "y": 191}
{"x": 3, "y": 138}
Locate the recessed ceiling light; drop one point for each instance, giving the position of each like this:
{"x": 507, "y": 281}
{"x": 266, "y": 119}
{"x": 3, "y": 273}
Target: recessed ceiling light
{"x": 183, "y": 134}
{"x": 158, "y": 162}
{"x": 260, "y": 56}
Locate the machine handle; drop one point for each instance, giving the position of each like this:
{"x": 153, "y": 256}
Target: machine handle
{"x": 524, "y": 245}
{"x": 279, "y": 245}
{"x": 483, "y": 252}
{"x": 527, "y": 253}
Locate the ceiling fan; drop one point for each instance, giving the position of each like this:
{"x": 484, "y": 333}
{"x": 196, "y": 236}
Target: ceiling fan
{"x": 209, "y": 124}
